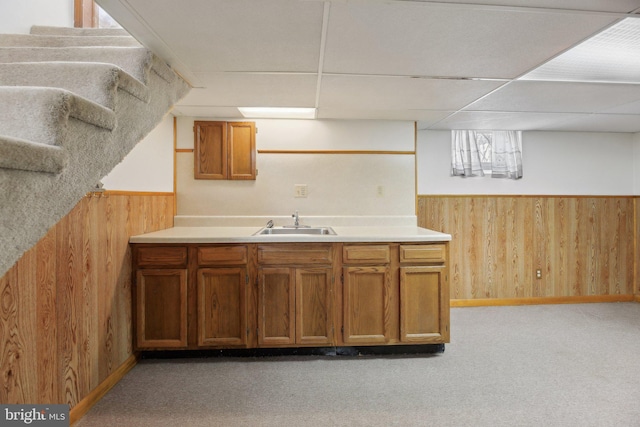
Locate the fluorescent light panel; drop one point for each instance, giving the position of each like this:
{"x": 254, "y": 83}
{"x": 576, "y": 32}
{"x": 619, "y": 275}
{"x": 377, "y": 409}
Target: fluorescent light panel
{"x": 277, "y": 113}
{"x": 612, "y": 56}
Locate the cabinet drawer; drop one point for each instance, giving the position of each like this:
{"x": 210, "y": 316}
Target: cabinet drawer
{"x": 423, "y": 253}
{"x": 365, "y": 254}
{"x": 162, "y": 256}
{"x": 222, "y": 255}
{"x": 294, "y": 254}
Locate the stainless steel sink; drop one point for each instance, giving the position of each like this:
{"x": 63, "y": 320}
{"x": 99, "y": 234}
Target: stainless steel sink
{"x": 295, "y": 230}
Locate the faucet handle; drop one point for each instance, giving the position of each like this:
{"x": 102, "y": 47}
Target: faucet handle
{"x": 270, "y": 224}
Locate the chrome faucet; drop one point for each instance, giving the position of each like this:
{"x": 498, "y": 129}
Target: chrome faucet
{"x": 296, "y": 223}
{"x": 270, "y": 224}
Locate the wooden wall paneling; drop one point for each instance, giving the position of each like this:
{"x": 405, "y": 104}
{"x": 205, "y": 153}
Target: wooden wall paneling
{"x": 90, "y": 284}
{"x": 636, "y": 248}
{"x": 584, "y": 246}
{"x": 68, "y": 251}
{"x": 48, "y": 367}
{"x": 65, "y": 312}
{"x": 28, "y": 327}
{"x": 120, "y": 256}
{"x": 558, "y": 242}
{"x": 622, "y": 265}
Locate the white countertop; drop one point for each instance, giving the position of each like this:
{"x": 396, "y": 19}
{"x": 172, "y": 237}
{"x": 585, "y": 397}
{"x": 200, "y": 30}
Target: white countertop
{"x": 245, "y": 235}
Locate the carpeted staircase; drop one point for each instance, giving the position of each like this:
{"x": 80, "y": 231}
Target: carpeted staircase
{"x": 73, "y": 103}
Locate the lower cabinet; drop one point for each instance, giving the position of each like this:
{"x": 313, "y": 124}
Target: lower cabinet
{"x": 294, "y": 307}
{"x": 161, "y": 308}
{"x": 290, "y": 295}
{"x": 295, "y": 301}
{"x": 366, "y": 304}
{"x": 222, "y": 306}
{"x": 423, "y": 318}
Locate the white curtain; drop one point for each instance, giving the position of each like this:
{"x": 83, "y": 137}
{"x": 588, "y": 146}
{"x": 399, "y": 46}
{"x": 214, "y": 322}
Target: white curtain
{"x": 465, "y": 156}
{"x": 506, "y": 154}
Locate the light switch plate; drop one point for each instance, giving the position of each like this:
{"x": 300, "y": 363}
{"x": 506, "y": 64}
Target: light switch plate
{"x": 300, "y": 190}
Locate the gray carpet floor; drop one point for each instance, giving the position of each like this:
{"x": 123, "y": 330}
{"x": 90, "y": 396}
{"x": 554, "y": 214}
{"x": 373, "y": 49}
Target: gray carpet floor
{"x": 548, "y": 365}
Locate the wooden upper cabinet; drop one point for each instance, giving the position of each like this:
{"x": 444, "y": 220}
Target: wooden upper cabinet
{"x": 225, "y": 150}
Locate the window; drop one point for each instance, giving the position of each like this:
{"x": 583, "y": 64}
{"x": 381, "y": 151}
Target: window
{"x": 476, "y": 153}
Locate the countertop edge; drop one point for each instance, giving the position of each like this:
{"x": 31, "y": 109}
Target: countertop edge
{"x": 187, "y": 235}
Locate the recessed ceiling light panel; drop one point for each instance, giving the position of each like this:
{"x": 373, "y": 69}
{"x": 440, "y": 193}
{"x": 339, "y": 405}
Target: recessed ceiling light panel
{"x": 612, "y": 56}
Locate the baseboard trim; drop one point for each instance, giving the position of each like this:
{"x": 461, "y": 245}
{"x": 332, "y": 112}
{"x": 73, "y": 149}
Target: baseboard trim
{"x": 97, "y": 393}
{"x": 482, "y": 302}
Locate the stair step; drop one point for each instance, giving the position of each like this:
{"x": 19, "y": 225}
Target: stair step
{"x": 94, "y": 81}
{"x": 47, "y": 110}
{"x": 136, "y": 61}
{"x": 37, "y": 40}
{"x": 20, "y": 154}
{"x": 65, "y": 31}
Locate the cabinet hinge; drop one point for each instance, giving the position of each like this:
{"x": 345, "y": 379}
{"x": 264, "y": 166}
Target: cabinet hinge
{"x": 248, "y": 330}
{"x": 342, "y": 329}
{"x": 246, "y": 279}
{"x": 342, "y": 278}
{"x": 256, "y": 130}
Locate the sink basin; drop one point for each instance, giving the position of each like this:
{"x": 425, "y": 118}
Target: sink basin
{"x": 295, "y": 230}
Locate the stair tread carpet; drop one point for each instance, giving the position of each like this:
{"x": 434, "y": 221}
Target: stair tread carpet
{"x": 48, "y": 110}
{"x": 66, "y": 31}
{"x": 92, "y": 80}
{"x": 37, "y": 40}
{"x": 16, "y": 153}
{"x": 135, "y": 61}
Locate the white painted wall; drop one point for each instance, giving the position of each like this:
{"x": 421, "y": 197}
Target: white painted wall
{"x": 149, "y": 166}
{"x": 636, "y": 163}
{"x": 554, "y": 163}
{"x": 338, "y": 184}
{"x": 17, "y": 17}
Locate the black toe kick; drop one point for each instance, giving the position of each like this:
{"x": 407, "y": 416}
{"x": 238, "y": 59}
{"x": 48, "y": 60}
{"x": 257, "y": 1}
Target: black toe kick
{"x": 400, "y": 350}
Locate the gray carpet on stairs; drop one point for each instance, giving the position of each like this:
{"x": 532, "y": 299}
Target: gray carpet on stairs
{"x": 95, "y": 81}
{"x": 553, "y": 365}
{"x": 35, "y": 40}
{"x": 68, "y": 116}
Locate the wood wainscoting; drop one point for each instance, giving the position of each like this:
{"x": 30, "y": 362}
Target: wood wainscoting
{"x": 583, "y": 246}
{"x": 65, "y": 316}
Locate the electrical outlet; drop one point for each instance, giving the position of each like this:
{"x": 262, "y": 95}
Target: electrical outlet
{"x": 300, "y": 190}
{"x": 538, "y": 274}
{"x": 380, "y": 190}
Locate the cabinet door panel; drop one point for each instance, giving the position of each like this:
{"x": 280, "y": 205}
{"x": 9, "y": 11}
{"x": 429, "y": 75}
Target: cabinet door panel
{"x": 210, "y": 153}
{"x": 222, "y": 306}
{"x": 421, "y": 311}
{"x": 313, "y": 306}
{"x": 242, "y": 150}
{"x": 276, "y": 307}
{"x": 366, "y": 305}
{"x": 161, "y": 308}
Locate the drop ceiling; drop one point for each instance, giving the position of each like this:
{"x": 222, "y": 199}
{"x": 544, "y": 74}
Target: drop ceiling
{"x": 447, "y": 64}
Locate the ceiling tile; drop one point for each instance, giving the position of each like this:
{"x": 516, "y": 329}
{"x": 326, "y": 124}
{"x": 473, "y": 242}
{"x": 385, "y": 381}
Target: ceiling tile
{"x": 426, "y": 39}
{"x": 620, "y": 6}
{"x": 394, "y": 93}
{"x": 254, "y": 90}
{"x": 422, "y": 116}
{"x": 600, "y": 123}
{"x": 486, "y": 120}
{"x": 568, "y": 97}
{"x": 239, "y": 35}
